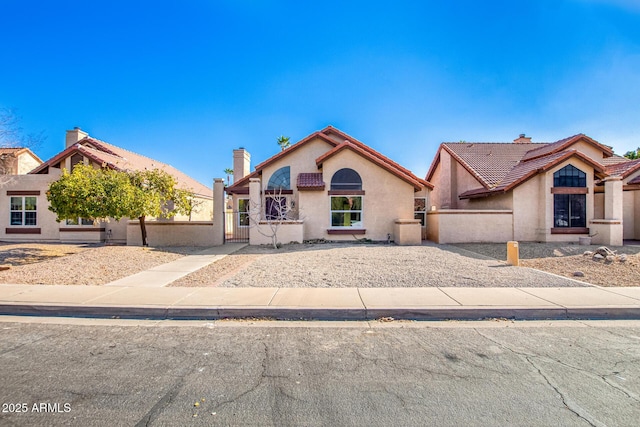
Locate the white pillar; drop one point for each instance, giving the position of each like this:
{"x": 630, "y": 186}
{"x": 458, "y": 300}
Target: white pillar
{"x": 613, "y": 198}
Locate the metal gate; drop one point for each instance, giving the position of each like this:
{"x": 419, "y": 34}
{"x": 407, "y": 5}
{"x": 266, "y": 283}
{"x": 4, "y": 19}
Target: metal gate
{"x": 236, "y": 227}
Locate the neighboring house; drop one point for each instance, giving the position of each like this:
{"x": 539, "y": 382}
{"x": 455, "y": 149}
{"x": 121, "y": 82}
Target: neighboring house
{"x": 331, "y": 186}
{"x": 17, "y": 161}
{"x": 561, "y": 191}
{"x": 24, "y": 213}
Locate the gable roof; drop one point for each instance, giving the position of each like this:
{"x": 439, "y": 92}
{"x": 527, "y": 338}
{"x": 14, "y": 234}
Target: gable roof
{"x": 118, "y": 158}
{"x": 565, "y": 143}
{"x": 336, "y": 138}
{"x": 488, "y": 162}
{"x": 523, "y": 171}
{"x": 16, "y": 151}
{"x": 623, "y": 169}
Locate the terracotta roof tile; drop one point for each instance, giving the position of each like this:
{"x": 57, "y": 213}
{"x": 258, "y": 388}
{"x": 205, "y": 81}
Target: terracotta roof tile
{"x": 489, "y": 162}
{"x": 624, "y": 168}
{"x": 525, "y": 170}
{"x": 121, "y": 159}
{"x": 325, "y": 135}
{"x": 310, "y": 181}
{"x": 564, "y": 144}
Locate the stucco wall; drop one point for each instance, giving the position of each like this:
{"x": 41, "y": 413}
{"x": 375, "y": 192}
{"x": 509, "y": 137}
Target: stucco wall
{"x": 460, "y": 226}
{"x": 46, "y": 225}
{"x": 172, "y": 233}
{"x": 629, "y": 214}
{"x": 386, "y": 198}
{"x": 528, "y": 211}
{"x": 548, "y": 219}
{"x": 598, "y": 206}
{"x": 26, "y": 163}
{"x": 285, "y": 232}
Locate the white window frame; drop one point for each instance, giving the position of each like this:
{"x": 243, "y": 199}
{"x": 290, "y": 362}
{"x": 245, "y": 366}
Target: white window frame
{"x": 23, "y": 211}
{"x": 241, "y": 213}
{"x": 356, "y": 225}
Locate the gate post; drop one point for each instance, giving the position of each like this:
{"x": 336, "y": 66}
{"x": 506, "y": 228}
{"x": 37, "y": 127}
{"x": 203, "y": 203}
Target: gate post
{"x": 255, "y": 208}
{"x": 218, "y": 211}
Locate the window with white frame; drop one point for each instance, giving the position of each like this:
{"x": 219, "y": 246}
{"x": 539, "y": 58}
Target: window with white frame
{"x": 420, "y": 210}
{"x": 24, "y": 210}
{"x": 346, "y": 199}
{"x": 243, "y": 212}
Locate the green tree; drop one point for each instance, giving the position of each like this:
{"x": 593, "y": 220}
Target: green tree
{"x": 229, "y": 173}
{"x": 100, "y": 194}
{"x": 283, "y": 142}
{"x": 635, "y": 154}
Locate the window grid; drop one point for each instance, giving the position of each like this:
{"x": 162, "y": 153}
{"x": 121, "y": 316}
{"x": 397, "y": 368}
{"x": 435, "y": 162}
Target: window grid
{"x": 23, "y": 210}
{"x": 569, "y": 176}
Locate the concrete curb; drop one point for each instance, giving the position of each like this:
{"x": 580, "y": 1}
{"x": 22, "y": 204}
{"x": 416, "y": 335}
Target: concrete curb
{"x": 324, "y": 313}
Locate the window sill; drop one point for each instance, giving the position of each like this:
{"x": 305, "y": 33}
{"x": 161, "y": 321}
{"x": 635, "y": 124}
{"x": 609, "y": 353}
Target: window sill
{"x": 570, "y": 230}
{"x": 81, "y": 229}
{"x": 22, "y": 230}
{"x": 346, "y": 231}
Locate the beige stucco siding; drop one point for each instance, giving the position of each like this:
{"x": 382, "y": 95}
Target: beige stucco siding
{"x": 302, "y": 160}
{"x": 588, "y": 149}
{"x": 46, "y": 225}
{"x": 628, "y": 214}
{"x": 386, "y": 199}
{"x": 26, "y": 163}
{"x": 548, "y": 198}
{"x": 529, "y": 210}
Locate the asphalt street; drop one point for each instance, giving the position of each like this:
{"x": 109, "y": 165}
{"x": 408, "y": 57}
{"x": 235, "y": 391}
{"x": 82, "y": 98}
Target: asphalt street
{"x": 266, "y": 373}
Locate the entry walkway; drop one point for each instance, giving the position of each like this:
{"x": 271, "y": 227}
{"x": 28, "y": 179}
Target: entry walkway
{"x": 321, "y": 303}
{"x": 164, "y": 274}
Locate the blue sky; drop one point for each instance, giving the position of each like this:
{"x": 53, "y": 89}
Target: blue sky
{"x": 187, "y": 82}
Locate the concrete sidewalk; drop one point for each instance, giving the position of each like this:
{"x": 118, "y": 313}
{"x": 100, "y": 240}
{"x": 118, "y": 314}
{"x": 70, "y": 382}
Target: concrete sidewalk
{"x": 164, "y": 274}
{"x": 321, "y": 303}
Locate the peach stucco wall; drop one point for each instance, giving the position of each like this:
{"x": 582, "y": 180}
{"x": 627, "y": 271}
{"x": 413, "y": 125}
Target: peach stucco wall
{"x": 465, "y": 226}
{"x": 45, "y": 219}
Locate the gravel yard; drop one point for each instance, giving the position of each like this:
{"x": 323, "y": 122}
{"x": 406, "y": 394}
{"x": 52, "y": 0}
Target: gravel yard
{"x": 568, "y": 260}
{"x": 335, "y": 265}
{"x": 326, "y": 265}
{"x": 80, "y": 264}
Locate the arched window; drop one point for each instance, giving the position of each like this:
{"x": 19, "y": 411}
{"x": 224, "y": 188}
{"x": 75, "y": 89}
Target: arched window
{"x": 346, "y": 199}
{"x": 570, "y": 206}
{"x": 569, "y": 176}
{"x": 280, "y": 180}
{"x": 346, "y": 179}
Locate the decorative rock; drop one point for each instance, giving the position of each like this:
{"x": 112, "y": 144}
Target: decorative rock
{"x": 578, "y": 274}
{"x": 598, "y": 257}
{"x": 588, "y": 253}
{"x": 610, "y": 258}
{"x": 622, "y": 258}
{"x": 4, "y": 267}
{"x": 604, "y": 251}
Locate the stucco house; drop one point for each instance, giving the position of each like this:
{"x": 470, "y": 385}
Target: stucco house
{"x": 561, "y": 191}
{"x": 24, "y": 213}
{"x": 330, "y": 186}
{"x": 17, "y": 161}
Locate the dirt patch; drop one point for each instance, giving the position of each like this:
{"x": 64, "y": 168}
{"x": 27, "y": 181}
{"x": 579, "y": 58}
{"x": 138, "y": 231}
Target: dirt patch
{"x": 30, "y": 253}
{"x": 96, "y": 265}
{"x": 600, "y": 273}
{"x": 218, "y": 272}
{"x": 566, "y": 259}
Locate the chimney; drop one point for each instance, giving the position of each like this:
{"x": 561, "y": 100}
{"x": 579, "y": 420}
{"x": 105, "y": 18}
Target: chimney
{"x": 522, "y": 139}
{"x": 74, "y": 136}
{"x": 241, "y": 164}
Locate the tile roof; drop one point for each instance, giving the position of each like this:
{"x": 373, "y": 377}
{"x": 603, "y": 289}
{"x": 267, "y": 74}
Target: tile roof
{"x": 310, "y": 181}
{"x": 16, "y": 151}
{"x": 489, "y": 162}
{"x": 525, "y": 170}
{"x": 623, "y": 169}
{"x": 332, "y": 136}
{"x": 121, "y": 159}
{"x": 564, "y": 144}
